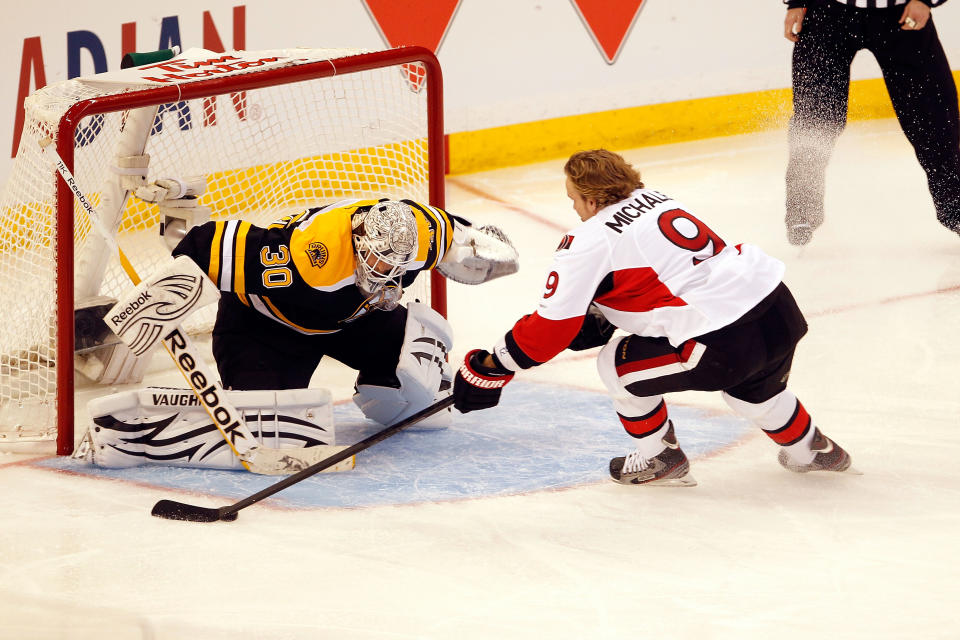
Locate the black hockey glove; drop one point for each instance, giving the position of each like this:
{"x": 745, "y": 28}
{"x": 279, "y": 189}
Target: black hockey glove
{"x": 595, "y": 332}
{"x": 476, "y": 386}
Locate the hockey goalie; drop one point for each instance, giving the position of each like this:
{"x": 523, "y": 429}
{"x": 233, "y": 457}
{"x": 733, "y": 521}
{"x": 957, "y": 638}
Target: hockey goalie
{"x": 324, "y": 282}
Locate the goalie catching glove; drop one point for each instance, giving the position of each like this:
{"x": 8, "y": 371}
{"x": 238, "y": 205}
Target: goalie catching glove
{"x": 478, "y": 254}
{"x": 478, "y": 386}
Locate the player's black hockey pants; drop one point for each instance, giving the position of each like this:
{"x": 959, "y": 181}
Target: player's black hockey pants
{"x": 749, "y": 359}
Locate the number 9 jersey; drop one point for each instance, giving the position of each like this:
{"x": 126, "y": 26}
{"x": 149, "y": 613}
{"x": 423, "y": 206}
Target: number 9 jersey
{"x": 652, "y": 269}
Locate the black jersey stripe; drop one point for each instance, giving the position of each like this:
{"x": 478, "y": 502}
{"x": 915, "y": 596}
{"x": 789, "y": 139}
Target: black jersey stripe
{"x": 446, "y": 227}
{"x": 264, "y": 305}
{"x": 522, "y": 359}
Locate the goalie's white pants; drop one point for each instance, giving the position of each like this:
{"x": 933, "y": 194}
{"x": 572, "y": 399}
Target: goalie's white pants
{"x": 424, "y": 373}
{"x": 168, "y": 426}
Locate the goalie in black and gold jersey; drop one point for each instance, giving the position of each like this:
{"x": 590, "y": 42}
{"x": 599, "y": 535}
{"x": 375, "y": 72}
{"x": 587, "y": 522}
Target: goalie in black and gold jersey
{"x": 328, "y": 282}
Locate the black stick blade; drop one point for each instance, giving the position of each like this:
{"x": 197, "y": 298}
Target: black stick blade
{"x": 173, "y": 510}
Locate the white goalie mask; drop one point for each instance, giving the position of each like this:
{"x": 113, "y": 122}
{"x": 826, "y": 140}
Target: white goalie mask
{"x": 385, "y": 239}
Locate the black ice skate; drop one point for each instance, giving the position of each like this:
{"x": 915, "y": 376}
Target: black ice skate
{"x": 669, "y": 467}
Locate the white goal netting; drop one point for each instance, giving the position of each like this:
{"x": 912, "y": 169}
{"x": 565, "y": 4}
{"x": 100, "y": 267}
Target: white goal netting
{"x": 264, "y": 145}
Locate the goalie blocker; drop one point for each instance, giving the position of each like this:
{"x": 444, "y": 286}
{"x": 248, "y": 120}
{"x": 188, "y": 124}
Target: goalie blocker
{"x": 167, "y": 426}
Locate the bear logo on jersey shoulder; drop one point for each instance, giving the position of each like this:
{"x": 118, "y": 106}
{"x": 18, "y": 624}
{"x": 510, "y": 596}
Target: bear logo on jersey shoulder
{"x": 318, "y": 254}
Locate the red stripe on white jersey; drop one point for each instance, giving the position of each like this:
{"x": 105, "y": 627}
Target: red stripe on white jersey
{"x": 638, "y": 289}
{"x": 541, "y": 339}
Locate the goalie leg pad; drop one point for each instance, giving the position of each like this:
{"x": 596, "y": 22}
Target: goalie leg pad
{"x": 425, "y": 375}
{"x": 168, "y": 426}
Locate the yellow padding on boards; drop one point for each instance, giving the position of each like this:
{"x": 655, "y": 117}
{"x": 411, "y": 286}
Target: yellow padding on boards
{"x": 647, "y": 125}
{"x": 282, "y": 186}
{"x": 300, "y": 183}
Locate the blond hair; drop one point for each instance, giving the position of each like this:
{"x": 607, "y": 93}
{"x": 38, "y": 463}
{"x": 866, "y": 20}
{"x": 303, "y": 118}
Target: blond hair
{"x": 602, "y": 176}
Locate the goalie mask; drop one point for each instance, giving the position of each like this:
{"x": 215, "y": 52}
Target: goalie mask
{"x": 385, "y": 239}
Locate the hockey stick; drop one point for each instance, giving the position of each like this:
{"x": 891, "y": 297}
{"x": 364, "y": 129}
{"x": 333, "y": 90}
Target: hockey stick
{"x": 173, "y": 510}
{"x": 46, "y": 146}
{"x": 231, "y": 424}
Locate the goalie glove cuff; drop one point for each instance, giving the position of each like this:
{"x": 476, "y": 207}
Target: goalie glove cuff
{"x": 478, "y": 386}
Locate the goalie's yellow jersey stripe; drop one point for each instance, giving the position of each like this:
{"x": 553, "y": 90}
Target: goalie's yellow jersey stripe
{"x": 213, "y": 270}
{"x": 280, "y": 316}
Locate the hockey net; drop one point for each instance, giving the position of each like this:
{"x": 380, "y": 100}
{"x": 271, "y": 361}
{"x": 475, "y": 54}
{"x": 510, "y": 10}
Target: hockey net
{"x": 270, "y": 133}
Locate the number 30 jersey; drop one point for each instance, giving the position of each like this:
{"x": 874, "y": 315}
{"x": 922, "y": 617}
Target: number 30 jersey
{"x": 300, "y": 270}
{"x": 652, "y": 269}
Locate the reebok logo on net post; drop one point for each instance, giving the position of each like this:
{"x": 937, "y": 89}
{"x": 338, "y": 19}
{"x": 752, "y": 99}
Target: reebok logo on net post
{"x": 117, "y": 319}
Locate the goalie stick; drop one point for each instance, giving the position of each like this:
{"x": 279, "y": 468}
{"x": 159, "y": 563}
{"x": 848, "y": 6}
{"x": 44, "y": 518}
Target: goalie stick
{"x": 231, "y": 424}
{"x": 173, "y": 510}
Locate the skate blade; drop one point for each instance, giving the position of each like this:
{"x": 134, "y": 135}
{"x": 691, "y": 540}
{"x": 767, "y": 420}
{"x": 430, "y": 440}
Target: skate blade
{"x": 684, "y": 481}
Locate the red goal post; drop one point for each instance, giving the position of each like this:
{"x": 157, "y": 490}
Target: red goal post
{"x": 303, "y": 127}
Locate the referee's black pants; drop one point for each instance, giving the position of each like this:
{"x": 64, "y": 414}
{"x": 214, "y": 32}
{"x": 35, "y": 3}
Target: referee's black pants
{"x": 918, "y": 79}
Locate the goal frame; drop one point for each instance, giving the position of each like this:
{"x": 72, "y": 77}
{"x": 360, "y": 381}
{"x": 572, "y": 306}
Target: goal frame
{"x": 64, "y": 234}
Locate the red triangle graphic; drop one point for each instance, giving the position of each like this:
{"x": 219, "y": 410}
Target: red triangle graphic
{"x": 422, "y": 23}
{"x": 609, "y": 22}
{"x": 412, "y": 22}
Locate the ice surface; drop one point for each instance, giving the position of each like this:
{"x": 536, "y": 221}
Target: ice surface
{"x": 504, "y": 526}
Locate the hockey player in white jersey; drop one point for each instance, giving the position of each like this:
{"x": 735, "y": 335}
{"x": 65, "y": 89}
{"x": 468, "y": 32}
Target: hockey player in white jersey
{"x": 699, "y": 314}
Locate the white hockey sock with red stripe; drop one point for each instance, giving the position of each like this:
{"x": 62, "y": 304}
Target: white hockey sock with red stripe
{"x": 646, "y": 420}
{"x": 783, "y": 419}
